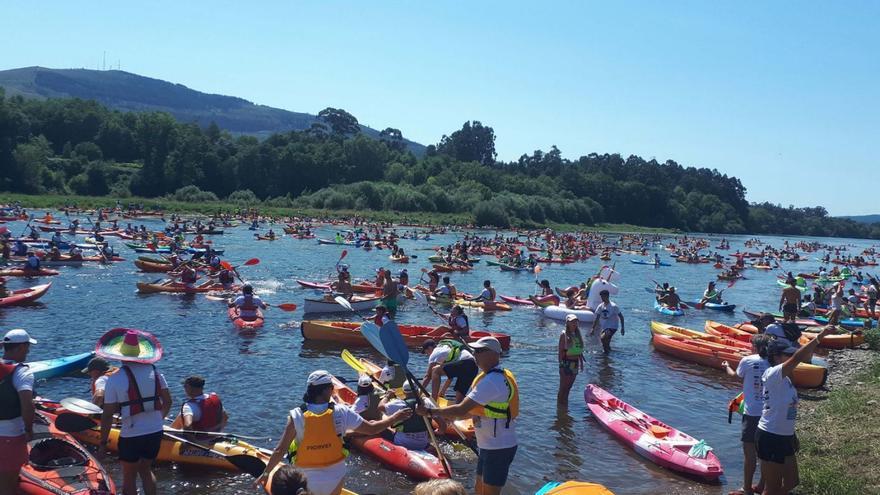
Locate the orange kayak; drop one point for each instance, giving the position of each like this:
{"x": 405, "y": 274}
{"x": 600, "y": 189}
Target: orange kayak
{"x": 349, "y": 333}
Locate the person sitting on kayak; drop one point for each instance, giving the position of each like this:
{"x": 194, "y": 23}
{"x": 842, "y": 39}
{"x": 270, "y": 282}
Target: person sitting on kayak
{"x": 448, "y": 290}
{"x": 711, "y": 295}
{"x": 488, "y": 293}
{"x": 200, "y": 411}
{"x": 452, "y": 359}
{"x": 226, "y": 278}
{"x": 187, "y": 275}
{"x": 20, "y": 249}
{"x": 32, "y": 263}
{"x": 412, "y": 433}
{"x": 671, "y": 299}
{"x": 213, "y": 260}
{"x": 98, "y": 370}
{"x": 661, "y": 290}
{"x": 34, "y": 234}
{"x": 313, "y": 436}
{"x": 247, "y": 303}
{"x": 54, "y": 253}
{"x": 367, "y": 402}
{"x": 433, "y": 280}
{"x": 546, "y": 290}
{"x": 808, "y": 307}
{"x": 381, "y": 316}
{"x": 457, "y": 324}
{"x": 56, "y": 239}
{"x": 342, "y": 286}
{"x": 75, "y": 253}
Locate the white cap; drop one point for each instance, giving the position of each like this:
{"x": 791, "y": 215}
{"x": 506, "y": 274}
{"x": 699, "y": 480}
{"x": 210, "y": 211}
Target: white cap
{"x": 364, "y": 381}
{"x": 490, "y": 343}
{"x": 18, "y": 336}
{"x": 571, "y": 317}
{"x": 407, "y": 388}
{"x": 387, "y": 374}
{"x": 320, "y": 377}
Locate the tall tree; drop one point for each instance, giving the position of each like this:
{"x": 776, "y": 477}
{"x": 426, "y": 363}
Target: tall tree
{"x": 341, "y": 122}
{"x": 474, "y": 142}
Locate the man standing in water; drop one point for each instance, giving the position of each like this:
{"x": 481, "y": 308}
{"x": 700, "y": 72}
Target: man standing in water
{"x": 16, "y": 407}
{"x": 790, "y": 302}
{"x": 608, "y": 319}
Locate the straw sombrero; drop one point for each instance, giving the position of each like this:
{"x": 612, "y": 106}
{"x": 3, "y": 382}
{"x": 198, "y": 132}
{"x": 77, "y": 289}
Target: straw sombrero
{"x": 127, "y": 344}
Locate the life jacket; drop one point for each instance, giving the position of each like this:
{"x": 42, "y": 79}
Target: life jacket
{"x": 575, "y": 348}
{"x": 226, "y": 277}
{"x": 248, "y": 304}
{"x": 455, "y": 348}
{"x": 10, "y": 402}
{"x": 321, "y": 445}
{"x": 455, "y": 328}
{"x": 188, "y": 276}
{"x": 137, "y": 403}
{"x": 507, "y": 410}
{"x": 106, "y": 373}
{"x": 377, "y": 319}
{"x": 212, "y": 412}
{"x": 415, "y": 423}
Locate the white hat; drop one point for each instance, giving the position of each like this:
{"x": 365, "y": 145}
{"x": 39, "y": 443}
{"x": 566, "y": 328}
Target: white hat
{"x": 364, "y": 381}
{"x": 387, "y": 374}
{"x": 571, "y": 317}
{"x": 490, "y": 343}
{"x": 407, "y": 387}
{"x": 18, "y": 336}
{"x": 320, "y": 377}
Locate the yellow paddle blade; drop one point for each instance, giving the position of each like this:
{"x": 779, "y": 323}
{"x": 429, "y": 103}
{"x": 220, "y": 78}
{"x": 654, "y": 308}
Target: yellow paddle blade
{"x": 353, "y": 362}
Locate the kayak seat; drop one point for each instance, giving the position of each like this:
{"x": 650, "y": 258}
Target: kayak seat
{"x": 52, "y": 453}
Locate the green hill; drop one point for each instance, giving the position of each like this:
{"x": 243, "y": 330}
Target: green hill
{"x": 125, "y": 91}
{"x": 864, "y": 218}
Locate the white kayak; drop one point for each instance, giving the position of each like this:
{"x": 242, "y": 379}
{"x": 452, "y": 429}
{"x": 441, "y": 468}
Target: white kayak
{"x": 331, "y": 306}
{"x": 560, "y": 312}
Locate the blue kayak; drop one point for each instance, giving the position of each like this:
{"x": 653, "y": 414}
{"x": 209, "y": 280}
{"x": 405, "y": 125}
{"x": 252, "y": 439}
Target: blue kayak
{"x": 50, "y": 368}
{"x": 848, "y": 322}
{"x": 711, "y": 305}
{"x": 646, "y": 262}
{"x": 663, "y": 310}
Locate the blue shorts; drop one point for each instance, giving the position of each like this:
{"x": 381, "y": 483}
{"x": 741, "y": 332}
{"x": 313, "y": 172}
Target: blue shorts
{"x": 493, "y": 465}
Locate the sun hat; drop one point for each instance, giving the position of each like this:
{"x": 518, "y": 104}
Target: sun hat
{"x": 18, "y": 336}
{"x": 490, "y": 343}
{"x": 320, "y": 377}
{"x": 130, "y": 345}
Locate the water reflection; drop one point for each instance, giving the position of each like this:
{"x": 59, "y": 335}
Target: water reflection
{"x": 567, "y": 449}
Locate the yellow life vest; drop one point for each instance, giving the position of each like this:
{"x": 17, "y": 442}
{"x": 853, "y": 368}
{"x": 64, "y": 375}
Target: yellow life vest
{"x": 507, "y": 410}
{"x": 321, "y": 446}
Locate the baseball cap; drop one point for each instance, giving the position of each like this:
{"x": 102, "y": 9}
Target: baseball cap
{"x": 571, "y": 317}
{"x": 18, "y": 336}
{"x": 407, "y": 387}
{"x": 490, "y": 343}
{"x": 386, "y": 375}
{"x": 780, "y": 346}
{"x": 96, "y": 364}
{"x": 364, "y": 381}
{"x": 320, "y": 377}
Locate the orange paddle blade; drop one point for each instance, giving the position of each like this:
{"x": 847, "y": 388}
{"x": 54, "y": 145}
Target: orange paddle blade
{"x": 226, "y": 265}
{"x": 287, "y": 307}
{"x": 252, "y": 262}
{"x": 344, "y": 254}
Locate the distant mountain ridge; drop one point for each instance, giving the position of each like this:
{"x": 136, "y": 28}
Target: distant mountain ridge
{"x": 863, "y": 218}
{"x": 129, "y": 92}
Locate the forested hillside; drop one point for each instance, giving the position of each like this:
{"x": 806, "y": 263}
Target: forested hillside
{"x": 76, "y": 146}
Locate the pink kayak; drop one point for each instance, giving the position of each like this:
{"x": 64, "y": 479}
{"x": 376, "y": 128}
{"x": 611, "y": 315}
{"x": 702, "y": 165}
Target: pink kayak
{"x": 651, "y": 438}
{"x": 531, "y": 300}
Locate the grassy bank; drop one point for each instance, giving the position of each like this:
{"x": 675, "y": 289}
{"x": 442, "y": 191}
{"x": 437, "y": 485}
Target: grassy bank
{"x": 210, "y": 207}
{"x": 840, "y": 440}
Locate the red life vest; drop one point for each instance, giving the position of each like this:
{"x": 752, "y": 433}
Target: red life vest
{"x": 135, "y": 401}
{"x": 212, "y": 412}
{"x": 248, "y": 304}
{"x": 188, "y": 276}
{"x": 378, "y": 320}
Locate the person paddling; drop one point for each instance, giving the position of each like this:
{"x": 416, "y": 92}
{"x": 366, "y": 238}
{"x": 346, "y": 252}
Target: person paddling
{"x": 711, "y": 295}
{"x": 670, "y": 299}
{"x": 248, "y": 303}
{"x": 16, "y": 407}
{"x": 200, "y": 411}
{"x": 488, "y": 293}
{"x": 139, "y": 393}
{"x": 457, "y": 324}
{"x": 313, "y": 436}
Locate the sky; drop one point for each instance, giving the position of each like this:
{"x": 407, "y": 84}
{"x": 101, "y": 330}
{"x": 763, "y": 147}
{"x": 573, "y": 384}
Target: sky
{"x": 784, "y": 95}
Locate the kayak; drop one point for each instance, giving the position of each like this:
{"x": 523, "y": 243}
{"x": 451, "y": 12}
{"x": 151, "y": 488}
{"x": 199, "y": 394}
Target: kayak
{"x": 331, "y": 306}
{"x": 510, "y": 268}
{"x": 64, "y": 262}
{"x": 651, "y": 263}
{"x": 349, "y": 333}
{"x": 833, "y": 341}
{"x": 341, "y": 243}
{"x": 665, "y": 310}
{"x": 674, "y": 331}
{"x": 147, "y": 288}
{"x": 782, "y": 283}
{"x": 573, "y": 488}
{"x": 58, "y": 464}
{"x": 242, "y": 323}
{"x": 722, "y": 330}
{"x": 152, "y": 267}
{"x": 484, "y": 305}
{"x": 519, "y": 301}
{"x": 652, "y": 439}
{"x": 417, "y": 464}
{"x": 175, "y": 451}
{"x": 267, "y": 238}
{"x": 710, "y": 305}
{"x": 362, "y": 288}
{"x": 51, "y": 368}
{"x": 452, "y": 268}
{"x": 557, "y": 312}
{"x": 855, "y": 323}
{"x": 399, "y": 259}
{"x": 23, "y": 272}
{"x": 712, "y": 355}
{"x": 24, "y": 296}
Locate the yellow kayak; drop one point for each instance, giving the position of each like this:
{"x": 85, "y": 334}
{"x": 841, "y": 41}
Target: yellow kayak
{"x": 484, "y": 305}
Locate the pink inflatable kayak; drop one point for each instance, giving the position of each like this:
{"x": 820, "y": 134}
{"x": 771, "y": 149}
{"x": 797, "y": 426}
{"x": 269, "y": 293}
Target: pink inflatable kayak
{"x": 651, "y": 438}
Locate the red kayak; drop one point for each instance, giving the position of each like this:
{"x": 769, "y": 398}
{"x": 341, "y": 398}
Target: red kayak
{"x": 24, "y": 296}
{"x": 25, "y": 272}
{"x": 242, "y": 323}
{"x": 541, "y": 301}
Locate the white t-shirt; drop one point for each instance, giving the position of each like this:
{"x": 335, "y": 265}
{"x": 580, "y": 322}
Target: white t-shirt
{"x": 413, "y": 441}
{"x": 486, "y": 295}
{"x": 780, "y": 403}
{"x": 441, "y": 352}
{"x": 836, "y": 300}
{"x": 239, "y": 302}
{"x": 100, "y": 385}
{"x": 751, "y": 369}
{"x": 492, "y": 434}
{"x": 116, "y": 391}
{"x": 22, "y": 380}
{"x": 609, "y": 315}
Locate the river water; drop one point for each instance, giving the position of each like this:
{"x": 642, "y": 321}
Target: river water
{"x": 261, "y": 377}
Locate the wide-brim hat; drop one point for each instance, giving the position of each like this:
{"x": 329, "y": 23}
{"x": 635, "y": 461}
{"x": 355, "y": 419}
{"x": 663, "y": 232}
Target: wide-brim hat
{"x": 130, "y": 345}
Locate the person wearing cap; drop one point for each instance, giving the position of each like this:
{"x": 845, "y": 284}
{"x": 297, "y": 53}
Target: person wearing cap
{"x": 608, "y": 318}
{"x": 16, "y": 407}
{"x": 139, "y": 394}
{"x": 342, "y": 286}
{"x": 457, "y": 324}
{"x": 493, "y": 403}
{"x": 99, "y": 371}
{"x": 571, "y": 357}
{"x": 200, "y": 411}
{"x": 367, "y": 402}
{"x": 247, "y": 303}
{"x": 775, "y": 441}
{"x": 412, "y": 433}
{"x": 790, "y": 301}
{"x": 392, "y": 375}
{"x": 450, "y": 358}
{"x": 314, "y": 432}
{"x": 751, "y": 368}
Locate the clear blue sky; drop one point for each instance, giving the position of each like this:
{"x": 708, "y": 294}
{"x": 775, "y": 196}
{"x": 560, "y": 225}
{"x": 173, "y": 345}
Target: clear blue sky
{"x": 784, "y": 95}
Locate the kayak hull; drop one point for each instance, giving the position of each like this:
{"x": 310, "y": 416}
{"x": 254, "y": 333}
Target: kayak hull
{"x": 665, "y": 310}
{"x": 51, "y": 368}
{"x": 349, "y": 333}
{"x": 145, "y": 288}
{"x": 24, "y": 296}
{"x": 324, "y": 306}
{"x": 241, "y": 323}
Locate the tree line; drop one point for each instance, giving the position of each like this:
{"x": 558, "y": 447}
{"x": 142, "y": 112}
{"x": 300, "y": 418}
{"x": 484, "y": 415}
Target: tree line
{"x": 64, "y": 146}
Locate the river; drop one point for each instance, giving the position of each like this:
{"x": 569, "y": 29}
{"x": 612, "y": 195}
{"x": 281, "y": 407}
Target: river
{"x": 261, "y": 377}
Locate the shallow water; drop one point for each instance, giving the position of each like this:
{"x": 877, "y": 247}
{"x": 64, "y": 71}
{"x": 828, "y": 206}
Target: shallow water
{"x": 262, "y": 376}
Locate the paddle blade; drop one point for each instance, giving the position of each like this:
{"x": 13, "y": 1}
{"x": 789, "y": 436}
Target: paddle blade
{"x": 344, "y": 254}
{"x": 73, "y": 423}
{"x": 394, "y": 344}
{"x": 352, "y": 361}
{"x": 252, "y": 262}
{"x": 226, "y": 265}
{"x": 248, "y": 464}
{"x": 80, "y": 406}
{"x": 287, "y": 307}
{"x": 538, "y": 269}
{"x": 343, "y": 302}
{"x": 371, "y": 332}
